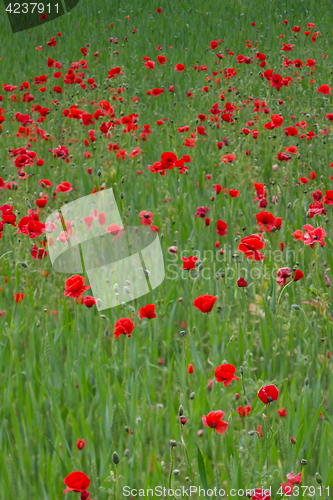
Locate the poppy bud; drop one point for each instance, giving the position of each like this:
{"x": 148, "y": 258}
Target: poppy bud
{"x": 237, "y": 396}
{"x": 24, "y": 264}
{"x": 192, "y": 395}
{"x": 241, "y": 370}
{"x": 327, "y": 282}
{"x": 295, "y": 307}
{"x": 306, "y": 381}
{"x": 122, "y": 196}
{"x": 175, "y": 472}
{"x": 200, "y": 433}
{"x": 245, "y": 400}
{"x": 252, "y": 433}
{"x": 126, "y": 453}
{"x": 80, "y": 444}
{"x": 181, "y": 411}
{"x": 172, "y": 443}
{"x": 115, "y": 458}
{"x": 183, "y": 420}
{"x": 293, "y": 440}
{"x": 318, "y": 477}
{"x": 99, "y": 173}
{"x": 303, "y": 462}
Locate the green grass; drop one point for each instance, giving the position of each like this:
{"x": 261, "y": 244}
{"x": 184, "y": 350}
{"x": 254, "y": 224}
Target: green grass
{"x": 58, "y": 385}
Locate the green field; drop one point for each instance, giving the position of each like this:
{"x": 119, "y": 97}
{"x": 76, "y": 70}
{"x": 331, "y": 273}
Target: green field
{"x": 63, "y": 374}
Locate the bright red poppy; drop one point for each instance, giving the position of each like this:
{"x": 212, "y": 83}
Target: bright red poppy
{"x": 123, "y": 326}
{"x": 225, "y": 374}
{"x": 268, "y": 393}
{"x": 76, "y": 481}
{"x": 214, "y": 421}
{"x": 205, "y": 303}
{"x": 147, "y": 311}
{"x": 189, "y": 262}
{"x": 74, "y": 286}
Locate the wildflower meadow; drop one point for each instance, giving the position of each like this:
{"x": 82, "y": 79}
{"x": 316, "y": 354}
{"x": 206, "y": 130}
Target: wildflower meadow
{"x": 203, "y": 367}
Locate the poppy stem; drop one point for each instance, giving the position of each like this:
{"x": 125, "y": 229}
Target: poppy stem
{"x": 260, "y": 458}
{"x": 185, "y": 448}
{"x": 267, "y": 439}
{"x": 279, "y": 299}
{"x": 117, "y": 474}
{"x": 125, "y": 349}
{"x": 217, "y": 446}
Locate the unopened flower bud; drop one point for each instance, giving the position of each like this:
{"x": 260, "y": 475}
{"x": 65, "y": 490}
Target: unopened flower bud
{"x": 318, "y": 477}
{"x": 192, "y": 395}
{"x": 115, "y": 458}
{"x": 183, "y": 420}
{"x": 175, "y": 472}
{"x": 327, "y": 282}
{"x": 172, "y": 443}
{"x": 293, "y": 440}
{"x": 181, "y": 411}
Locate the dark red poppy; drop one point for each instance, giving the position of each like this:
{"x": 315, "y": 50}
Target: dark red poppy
{"x": 124, "y": 326}
{"x": 205, "y": 303}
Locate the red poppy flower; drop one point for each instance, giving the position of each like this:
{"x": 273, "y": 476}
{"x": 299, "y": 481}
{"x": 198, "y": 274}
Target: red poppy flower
{"x": 189, "y": 263}
{"x": 64, "y": 187}
{"x": 244, "y": 411}
{"x": 214, "y": 421}
{"x": 268, "y": 393}
{"x": 283, "y": 274}
{"x": 147, "y": 311}
{"x": 282, "y": 413}
{"x": 76, "y": 481}
{"x": 221, "y": 227}
{"x": 234, "y": 193}
{"x": 298, "y": 275}
{"x": 89, "y": 301}
{"x": 266, "y": 221}
{"x": 179, "y": 67}
{"x": 74, "y": 286}
{"x": 241, "y": 283}
{"x": 205, "y": 303}
{"x": 260, "y": 494}
{"x": 328, "y": 198}
{"x": 324, "y": 89}
{"x": 190, "y": 368}
{"x": 225, "y": 373}
{"x": 80, "y": 444}
{"x": 250, "y": 246}
{"x": 124, "y": 326}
